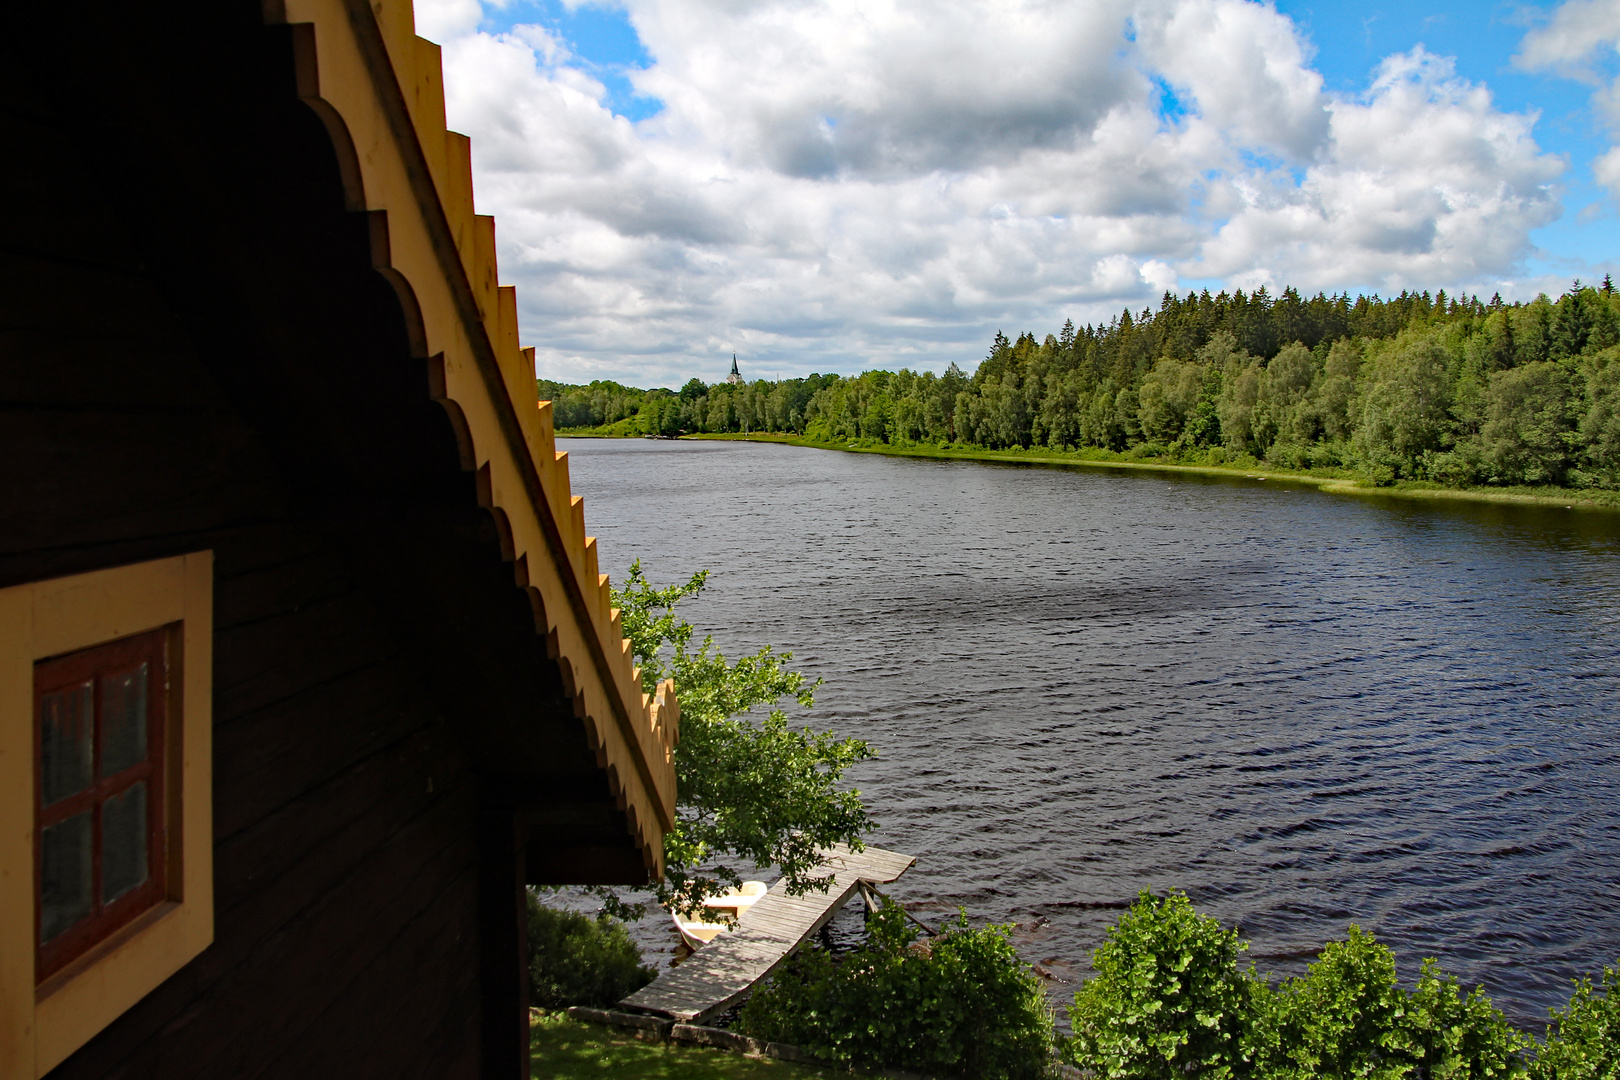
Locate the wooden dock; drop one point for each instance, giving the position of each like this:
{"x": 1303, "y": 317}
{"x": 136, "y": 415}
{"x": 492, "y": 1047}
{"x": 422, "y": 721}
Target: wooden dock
{"x": 723, "y": 972}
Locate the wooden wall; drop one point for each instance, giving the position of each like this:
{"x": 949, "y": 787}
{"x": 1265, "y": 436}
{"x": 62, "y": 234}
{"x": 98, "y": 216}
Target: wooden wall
{"x": 195, "y": 353}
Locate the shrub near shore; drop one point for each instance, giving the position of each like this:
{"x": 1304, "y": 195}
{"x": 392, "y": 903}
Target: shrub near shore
{"x": 1171, "y": 1000}
{"x": 960, "y": 1004}
{"x": 577, "y": 959}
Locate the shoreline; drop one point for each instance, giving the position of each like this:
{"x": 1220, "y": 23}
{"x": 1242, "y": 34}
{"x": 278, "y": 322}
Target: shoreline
{"x": 1558, "y": 498}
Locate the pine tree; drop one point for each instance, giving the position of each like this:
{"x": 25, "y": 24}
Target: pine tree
{"x": 1573, "y": 325}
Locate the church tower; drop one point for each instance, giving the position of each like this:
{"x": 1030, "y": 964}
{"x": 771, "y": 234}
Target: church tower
{"x": 734, "y": 378}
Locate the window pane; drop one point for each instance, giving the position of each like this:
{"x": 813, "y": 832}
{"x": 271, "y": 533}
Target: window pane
{"x": 123, "y": 842}
{"x": 123, "y": 720}
{"x": 64, "y": 742}
{"x": 64, "y": 887}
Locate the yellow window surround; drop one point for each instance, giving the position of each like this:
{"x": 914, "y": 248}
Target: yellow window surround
{"x": 42, "y": 1023}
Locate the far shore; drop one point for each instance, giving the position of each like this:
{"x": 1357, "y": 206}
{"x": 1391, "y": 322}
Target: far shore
{"x": 1338, "y": 482}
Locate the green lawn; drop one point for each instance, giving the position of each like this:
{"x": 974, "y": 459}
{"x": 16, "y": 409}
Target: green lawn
{"x": 568, "y": 1050}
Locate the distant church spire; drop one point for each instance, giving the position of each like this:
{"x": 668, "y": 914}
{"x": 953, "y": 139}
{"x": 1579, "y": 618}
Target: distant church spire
{"x": 735, "y": 376}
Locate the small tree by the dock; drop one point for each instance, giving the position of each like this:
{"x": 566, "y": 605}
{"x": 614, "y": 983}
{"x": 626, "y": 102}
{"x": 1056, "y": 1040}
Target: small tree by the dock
{"x": 753, "y": 791}
{"x": 960, "y": 1004}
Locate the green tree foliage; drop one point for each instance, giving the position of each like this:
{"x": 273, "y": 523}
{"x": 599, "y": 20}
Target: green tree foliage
{"x": 1453, "y": 1037}
{"x": 1530, "y": 434}
{"x": 726, "y": 407}
{"x": 1417, "y": 387}
{"x": 599, "y": 403}
{"x": 960, "y": 1004}
{"x": 1285, "y": 414}
{"x": 1168, "y": 1000}
{"x": 1169, "y": 394}
{"x": 752, "y": 791}
{"x": 1584, "y": 1040}
{"x": 1600, "y": 425}
{"x": 1348, "y": 1018}
{"x": 1402, "y": 408}
{"x": 1342, "y": 1019}
{"x": 575, "y": 959}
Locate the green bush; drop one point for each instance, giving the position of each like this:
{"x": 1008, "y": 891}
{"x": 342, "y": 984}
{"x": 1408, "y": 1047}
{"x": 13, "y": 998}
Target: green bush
{"x": 1583, "y": 1041}
{"x": 1454, "y": 1037}
{"x": 1341, "y": 1019}
{"x": 575, "y": 959}
{"x": 1168, "y": 999}
{"x": 1347, "y": 1017}
{"x": 961, "y": 1004}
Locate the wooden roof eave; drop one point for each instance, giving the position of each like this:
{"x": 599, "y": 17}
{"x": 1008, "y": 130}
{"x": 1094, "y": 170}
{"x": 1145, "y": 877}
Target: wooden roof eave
{"x": 379, "y": 90}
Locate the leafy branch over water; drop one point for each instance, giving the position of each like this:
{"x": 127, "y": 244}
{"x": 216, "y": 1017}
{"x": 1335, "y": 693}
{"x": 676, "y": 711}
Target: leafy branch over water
{"x": 753, "y": 791}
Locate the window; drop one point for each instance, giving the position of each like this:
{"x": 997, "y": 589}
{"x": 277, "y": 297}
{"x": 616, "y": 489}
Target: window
{"x": 99, "y": 840}
{"x": 106, "y": 800}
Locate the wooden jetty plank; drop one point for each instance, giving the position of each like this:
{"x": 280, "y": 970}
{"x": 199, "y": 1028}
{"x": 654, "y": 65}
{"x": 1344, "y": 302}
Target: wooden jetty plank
{"x": 711, "y": 979}
{"x": 724, "y": 971}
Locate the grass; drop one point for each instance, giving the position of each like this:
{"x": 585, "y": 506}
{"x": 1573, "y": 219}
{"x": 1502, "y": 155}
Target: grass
{"x": 628, "y": 428}
{"x": 1336, "y": 481}
{"x": 566, "y": 1049}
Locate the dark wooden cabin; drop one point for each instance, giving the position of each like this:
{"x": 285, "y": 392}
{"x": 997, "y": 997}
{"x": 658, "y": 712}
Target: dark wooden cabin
{"x": 306, "y": 666}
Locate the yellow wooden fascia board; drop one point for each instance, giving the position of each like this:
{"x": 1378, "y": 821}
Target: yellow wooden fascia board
{"x": 426, "y": 99}
{"x": 457, "y": 195}
{"x": 576, "y": 610}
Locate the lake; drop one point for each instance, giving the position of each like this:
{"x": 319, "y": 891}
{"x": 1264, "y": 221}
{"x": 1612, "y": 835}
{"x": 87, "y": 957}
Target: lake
{"x": 1305, "y": 710}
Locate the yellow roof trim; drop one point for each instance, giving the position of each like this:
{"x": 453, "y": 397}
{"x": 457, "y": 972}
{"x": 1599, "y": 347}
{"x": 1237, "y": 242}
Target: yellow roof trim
{"x": 380, "y": 90}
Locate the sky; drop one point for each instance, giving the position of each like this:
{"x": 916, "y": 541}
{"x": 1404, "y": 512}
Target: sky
{"x": 837, "y": 185}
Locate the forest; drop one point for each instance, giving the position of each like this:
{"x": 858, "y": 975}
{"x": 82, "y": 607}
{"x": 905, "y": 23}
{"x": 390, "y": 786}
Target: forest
{"x": 1446, "y": 389}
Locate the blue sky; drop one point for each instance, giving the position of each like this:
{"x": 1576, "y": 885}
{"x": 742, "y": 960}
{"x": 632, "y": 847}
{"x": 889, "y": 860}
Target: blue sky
{"x": 824, "y": 187}
{"x": 600, "y": 36}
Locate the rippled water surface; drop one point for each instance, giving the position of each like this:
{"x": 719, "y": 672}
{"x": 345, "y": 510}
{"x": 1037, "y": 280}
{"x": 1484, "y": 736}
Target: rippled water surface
{"x": 1305, "y": 710}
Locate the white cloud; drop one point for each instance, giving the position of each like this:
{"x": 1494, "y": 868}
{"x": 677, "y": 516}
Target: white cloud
{"x": 833, "y": 184}
{"x": 884, "y": 88}
{"x": 1245, "y": 66}
{"x": 441, "y": 20}
{"x": 1577, "y": 29}
{"x": 1579, "y": 32}
{"x": 1421, "y": 180}
{"x": 1607, "y": 169}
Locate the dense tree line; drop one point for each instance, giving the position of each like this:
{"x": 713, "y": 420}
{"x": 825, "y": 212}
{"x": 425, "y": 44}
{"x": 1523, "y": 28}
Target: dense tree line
{"x": 697, "y": 407}
{"x": 1450, "y": 389}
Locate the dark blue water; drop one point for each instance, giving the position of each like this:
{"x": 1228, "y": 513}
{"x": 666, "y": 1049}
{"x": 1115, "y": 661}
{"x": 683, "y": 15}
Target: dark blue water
{"x": 1304, "y": 710}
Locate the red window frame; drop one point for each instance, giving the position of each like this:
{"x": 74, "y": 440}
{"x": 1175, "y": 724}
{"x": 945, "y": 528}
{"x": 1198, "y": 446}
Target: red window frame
{"x": 95, "y": 665}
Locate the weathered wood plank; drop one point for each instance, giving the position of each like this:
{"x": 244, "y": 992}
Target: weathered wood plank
{"x": 727, "y": 969}
{"x": 286, "y": 752}
{"x": 290, "y": 857}
{"x": 213, "y": 1020}
{"x": 350, "y": 930}
{"x": 272, "y": 660}
{"x": 395, "y": 1009}
{"x": 273, "y": 569}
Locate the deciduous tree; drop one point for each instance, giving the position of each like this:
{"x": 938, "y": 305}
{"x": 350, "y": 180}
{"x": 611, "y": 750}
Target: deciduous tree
{"x": 753, "y": 791}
